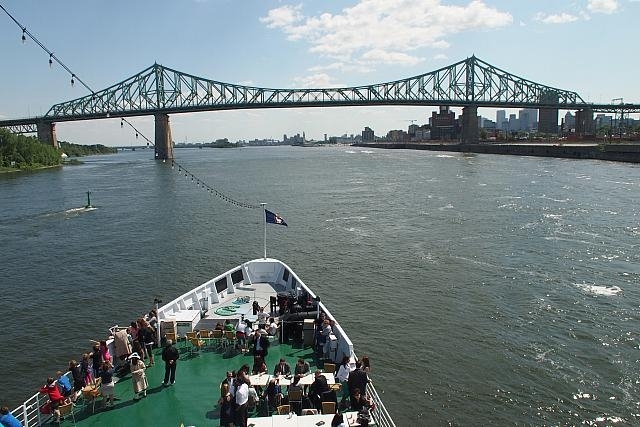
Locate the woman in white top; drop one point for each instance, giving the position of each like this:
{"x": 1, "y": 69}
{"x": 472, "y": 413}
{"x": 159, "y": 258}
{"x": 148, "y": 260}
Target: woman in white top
{"x": 343, "y": 376}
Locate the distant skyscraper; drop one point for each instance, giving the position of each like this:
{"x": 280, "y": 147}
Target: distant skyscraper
{"x": 513, "y": 123}
{"x": 528, "y": 119}
{"x": 501, "y": 116}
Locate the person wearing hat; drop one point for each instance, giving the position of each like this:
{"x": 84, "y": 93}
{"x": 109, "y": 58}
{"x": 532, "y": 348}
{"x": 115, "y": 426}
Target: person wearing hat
{"x": 170, "y": 356}
{"x": 138, "y": 377}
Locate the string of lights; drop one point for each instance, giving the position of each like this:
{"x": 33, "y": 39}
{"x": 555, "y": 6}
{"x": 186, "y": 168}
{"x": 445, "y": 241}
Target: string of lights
{"x": 181, "y": 169}
{"x": 199, "y": 182}
{"x": 52, "y": 56}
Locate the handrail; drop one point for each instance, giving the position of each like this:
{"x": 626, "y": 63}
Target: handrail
{"x": 380, "y": 415}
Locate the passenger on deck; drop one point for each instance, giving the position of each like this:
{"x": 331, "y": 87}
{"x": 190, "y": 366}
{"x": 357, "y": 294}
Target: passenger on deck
{"x": 138, "y": 377}
{"x": 318, "y": 387}
{"x": 295, "y": 384}
{"x": 319, "y": 339}
{"x": 262, "y": 318}
{"x": 359, "y": 401}
{"x": 226, "y": 384}
{"x": 64, "y": 384}
{"x": 108, "y": 385}
{"x": 96, "y": 360}
{"x": 146, "y": 337}
{"x": 260, "y": 345}
{"x": 326, "y": 331}
{"x": 170, "y": 355}
{"x": 272, "y": 394}
{"x": 259, "y": 367}
{"x": 104, "y": 350}
{"x": 78, "y": 378}
{"x": 282, "y": 368}
{"x": 302, "y": 367}
{"x": 240, "y": 333}
{"x": 152, "y": 318}
{"x": 366, "y": 364}
{"x": 357, "y": 380}
{"x": 248, "y": 332}
{"x": 55, "y": 398}
{"x": 7, "y": 419}
{"x": 228, "y": 326}
{"x": 273, "y": 327}
{"x": 226, "y": 403}
{"x": 132, "y": 330}
{"x": 242, "y": 399}
{"x": 343, "y": 375}
{"x": 219, "y": 327}
{"x": 85, "y": 368}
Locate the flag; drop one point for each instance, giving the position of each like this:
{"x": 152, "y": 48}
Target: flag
{"x": 274, "y": 218}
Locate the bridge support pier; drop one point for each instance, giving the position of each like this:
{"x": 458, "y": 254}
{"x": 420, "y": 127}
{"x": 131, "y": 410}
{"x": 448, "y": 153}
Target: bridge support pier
{"x": 47, "y": 133}
{"x": 548, "y": 116}
{"x": 163, "y": 140}
{"x": 470, "y": 124}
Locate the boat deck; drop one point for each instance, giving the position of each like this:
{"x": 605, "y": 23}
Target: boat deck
{"x": 192, "y": 400}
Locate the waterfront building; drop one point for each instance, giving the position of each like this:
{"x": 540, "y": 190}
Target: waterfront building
{"x": 368, "y": 135}
{"x": 443, "y": 124}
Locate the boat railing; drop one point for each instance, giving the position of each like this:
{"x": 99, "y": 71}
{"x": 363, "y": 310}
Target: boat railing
{"x": 29, "y": 412}
{"x": 380, "y": 415}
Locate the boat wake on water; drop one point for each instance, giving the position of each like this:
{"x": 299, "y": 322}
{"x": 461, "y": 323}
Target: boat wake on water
{"x": 599, "y": 290}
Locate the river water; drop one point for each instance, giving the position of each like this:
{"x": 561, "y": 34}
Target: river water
{"x": 487, "y": 290}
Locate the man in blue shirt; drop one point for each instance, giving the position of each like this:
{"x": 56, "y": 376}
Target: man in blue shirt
{"x": 64, "y": 384}
{"x": 7, "y": 419}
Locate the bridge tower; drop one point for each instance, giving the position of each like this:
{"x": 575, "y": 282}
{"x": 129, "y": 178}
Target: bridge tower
{"x": 47, "y": 133}
{"x": 164, "y": 142}
{"x": 548, "y": 116}
{"x": 470, "y": 124}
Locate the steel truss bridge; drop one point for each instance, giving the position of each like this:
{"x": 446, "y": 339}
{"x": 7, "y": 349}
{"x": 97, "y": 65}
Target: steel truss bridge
{"x": 161, "y": 91}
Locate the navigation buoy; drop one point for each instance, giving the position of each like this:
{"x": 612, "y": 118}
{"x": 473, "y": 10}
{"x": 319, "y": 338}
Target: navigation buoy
{"x": 88, "y": 200}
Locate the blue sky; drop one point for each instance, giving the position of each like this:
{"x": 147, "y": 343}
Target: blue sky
{"x": 589, "y": 46}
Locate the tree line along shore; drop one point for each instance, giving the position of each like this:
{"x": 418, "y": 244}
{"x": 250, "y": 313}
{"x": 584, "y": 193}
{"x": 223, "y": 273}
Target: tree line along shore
{"x": 20, "y": 152}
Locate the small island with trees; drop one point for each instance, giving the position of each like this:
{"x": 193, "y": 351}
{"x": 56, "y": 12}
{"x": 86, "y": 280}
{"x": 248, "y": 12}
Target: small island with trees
{"x": 20, "y": 152}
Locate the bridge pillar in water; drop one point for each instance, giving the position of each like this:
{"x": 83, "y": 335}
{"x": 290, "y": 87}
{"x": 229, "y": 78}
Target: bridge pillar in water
{"x": 163, "y": 140}
{"x": 47, "y": 133}
{"x": 469, "y": 124}
{"x": 548, "y": 116}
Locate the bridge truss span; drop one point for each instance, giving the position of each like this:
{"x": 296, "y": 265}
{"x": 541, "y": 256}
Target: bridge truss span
{"x": 160, "y": 89}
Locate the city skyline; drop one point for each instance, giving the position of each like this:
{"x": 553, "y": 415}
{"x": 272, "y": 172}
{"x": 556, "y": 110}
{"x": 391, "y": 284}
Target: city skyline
{"x": 307, "y": 44}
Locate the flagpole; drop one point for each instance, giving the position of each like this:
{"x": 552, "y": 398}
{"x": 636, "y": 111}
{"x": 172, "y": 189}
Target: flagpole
{"x": 264, "y": 221}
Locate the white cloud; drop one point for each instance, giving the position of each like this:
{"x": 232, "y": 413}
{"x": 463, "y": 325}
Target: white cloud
{"x": 440, "y": 57}
{"x": 380, "y": 31}
{"x": 602, "y": 6}
{"x": 341, "y": 66}
{"x": 561, "y": 18}
{"x": 283, "y": 16}
{"x": 319, "y": 80}
{"x": 378, "y": 56}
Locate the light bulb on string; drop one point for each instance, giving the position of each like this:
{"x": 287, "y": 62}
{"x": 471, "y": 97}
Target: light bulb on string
{"x": 50, "y": 60}
{"x": 136, "y": 135}
{"x": 121, "y": 123}
{"x": 73, "y": 82}
{"x": 24, "y": 38}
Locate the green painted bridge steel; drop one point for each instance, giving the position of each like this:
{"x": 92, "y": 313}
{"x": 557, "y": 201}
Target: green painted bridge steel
{"x": 160, "y": 91}
{"x": 471, "y": 82}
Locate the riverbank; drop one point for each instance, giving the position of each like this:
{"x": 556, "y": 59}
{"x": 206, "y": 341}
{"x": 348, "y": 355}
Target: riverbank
{"x": 629, "y": 152}
{"x": 33, "y": 169}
